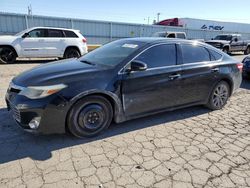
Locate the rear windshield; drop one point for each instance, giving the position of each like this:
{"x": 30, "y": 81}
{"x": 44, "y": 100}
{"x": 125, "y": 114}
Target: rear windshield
{"x": 112, "y": 53}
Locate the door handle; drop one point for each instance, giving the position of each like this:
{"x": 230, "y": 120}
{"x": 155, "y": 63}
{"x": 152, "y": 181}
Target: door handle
{"x": 174, "y": 76}
{"x": 215, "y": 70}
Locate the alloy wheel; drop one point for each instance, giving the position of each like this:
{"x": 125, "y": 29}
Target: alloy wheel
{"x": 7, "y": 55}
{"x": 220, "y": 96}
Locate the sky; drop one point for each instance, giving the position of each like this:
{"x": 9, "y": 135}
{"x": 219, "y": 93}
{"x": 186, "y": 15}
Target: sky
{"x": 132, "y": 11}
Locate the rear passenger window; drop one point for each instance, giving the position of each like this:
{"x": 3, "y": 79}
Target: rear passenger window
{"x": 54, "y": 33}
{"x": 193, "y": 54}
{"x": 180, "y": 36}
{"x": 70, "y": 34}
{"x": 159, "y": 56}
{"x": 215, "y": 56}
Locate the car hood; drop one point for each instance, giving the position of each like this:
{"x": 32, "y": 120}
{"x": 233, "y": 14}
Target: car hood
{"x": 64, "y": 71}
{"x": 6, "y": 39}
{"x": 218, "y": 41}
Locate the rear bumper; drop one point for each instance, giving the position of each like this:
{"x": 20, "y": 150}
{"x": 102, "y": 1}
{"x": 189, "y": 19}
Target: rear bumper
{"x": 83, "y": 49}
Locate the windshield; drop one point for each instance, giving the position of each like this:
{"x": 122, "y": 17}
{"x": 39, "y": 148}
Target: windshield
{"x": 22, "y": 32}
{"x": 223, "y": 37}
{"x": 113, "y": 53}
{"x": 159, "y": 34}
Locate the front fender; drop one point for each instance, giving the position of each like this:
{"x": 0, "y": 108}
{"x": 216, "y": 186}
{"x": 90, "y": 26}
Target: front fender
{"x": 118, "y": 110}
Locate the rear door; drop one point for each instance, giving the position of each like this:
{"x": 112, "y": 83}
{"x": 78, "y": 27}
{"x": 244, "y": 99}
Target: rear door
{"x": 156, "y": 88}
{"x": 55, "y": 43}
{"x": 199, "y": 73}
{"x": 34, "y": 44}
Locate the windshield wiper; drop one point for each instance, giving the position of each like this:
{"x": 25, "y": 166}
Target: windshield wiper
{"x": 87, "y": 62}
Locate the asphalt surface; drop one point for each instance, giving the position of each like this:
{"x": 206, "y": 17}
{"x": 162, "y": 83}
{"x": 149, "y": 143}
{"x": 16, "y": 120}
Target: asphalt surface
{"x": 192, "y": 147}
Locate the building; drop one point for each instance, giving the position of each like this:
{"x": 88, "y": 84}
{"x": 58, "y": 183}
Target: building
{"x": 191, "y": 23}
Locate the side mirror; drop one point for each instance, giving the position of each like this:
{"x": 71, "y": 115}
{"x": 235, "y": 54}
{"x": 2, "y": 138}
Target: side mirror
{"x": 236, "y": 40}
{"x": 212, "y": 38}
{"x": 138, "y": 66}
{"x": 25, "y": 35}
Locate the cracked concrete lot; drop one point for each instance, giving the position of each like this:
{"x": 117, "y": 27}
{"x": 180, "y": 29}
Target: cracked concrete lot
{"x": 193, "y": 147}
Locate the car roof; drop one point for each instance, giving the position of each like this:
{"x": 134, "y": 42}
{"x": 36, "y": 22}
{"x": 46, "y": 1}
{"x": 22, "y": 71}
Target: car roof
{"x": 229, "y": 35}
{"x": 170, "y": 32}
{"x": 59, "y": 28}
{"x": 152, "y": 40}
{"x": 158, "y": 40}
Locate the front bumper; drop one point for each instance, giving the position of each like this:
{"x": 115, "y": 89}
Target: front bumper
{"x": 52, "y": 111}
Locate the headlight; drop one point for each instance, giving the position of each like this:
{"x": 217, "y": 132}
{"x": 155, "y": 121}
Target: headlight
{"x": 37, "y": 92}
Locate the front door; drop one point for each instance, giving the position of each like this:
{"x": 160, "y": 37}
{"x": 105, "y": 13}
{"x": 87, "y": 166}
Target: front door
{"x": 34, "y": 45}
{"x": 157, "y": 87}
{"x": 236, "y": 44}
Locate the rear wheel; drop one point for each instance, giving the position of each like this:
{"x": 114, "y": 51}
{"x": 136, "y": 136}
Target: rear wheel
{"x": 7, "y": 55}
{"x": 219, "y": 96}
{"x": 72, "y": 53}
{"x": 90, "y": 116}
{"x": 247, "y": 51}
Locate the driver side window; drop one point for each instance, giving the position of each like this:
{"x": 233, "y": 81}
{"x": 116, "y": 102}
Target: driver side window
{"x": 159, "y": 56}
{"x": 37, "y": 33}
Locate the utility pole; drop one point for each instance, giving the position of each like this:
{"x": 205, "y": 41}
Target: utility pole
{"x": 147, "y": 20}
{"x": 30, "y": 10}
{"x": 158, "y": 16}
{"x": 30, "y": 13}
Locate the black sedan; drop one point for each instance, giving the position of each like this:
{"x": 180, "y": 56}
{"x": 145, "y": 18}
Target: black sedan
{"x": 122, "y": 80}
{"x": 246, "y": 67}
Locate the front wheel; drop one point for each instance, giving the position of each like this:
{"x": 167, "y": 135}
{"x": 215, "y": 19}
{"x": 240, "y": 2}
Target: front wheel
{"x": 90, "y": 116}
{"x": 7, "y": 55}
{"x": 219, "y": 97}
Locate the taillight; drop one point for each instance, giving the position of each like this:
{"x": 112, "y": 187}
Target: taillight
{"x": 84, "y": 40}
{"x": 240, "y": 66}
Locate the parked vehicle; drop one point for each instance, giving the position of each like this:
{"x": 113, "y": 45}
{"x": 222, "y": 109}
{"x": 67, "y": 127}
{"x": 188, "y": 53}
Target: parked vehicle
{"x": 119, "y": 81}
{"x": 231, "y": 43}
{"x": 246, "y": 67}
{"x": 42, "y": 42}
{"x": 168, "y": 34}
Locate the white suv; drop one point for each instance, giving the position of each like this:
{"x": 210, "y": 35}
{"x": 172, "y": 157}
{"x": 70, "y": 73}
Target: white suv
{"x": 42, "y": 42}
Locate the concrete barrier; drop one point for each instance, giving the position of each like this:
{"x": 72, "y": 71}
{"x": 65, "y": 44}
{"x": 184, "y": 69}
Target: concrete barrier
{"x": 91, "y": 47}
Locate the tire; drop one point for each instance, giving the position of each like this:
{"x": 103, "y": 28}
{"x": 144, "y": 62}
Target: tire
{"x": 89, "y": 116}
{"x": 7, "y": 55}
{"x": 219, "y": 96}
{"x": 71, "y": 53}
{"x": 226, "y": 50}
{"x": 247, "y": 51}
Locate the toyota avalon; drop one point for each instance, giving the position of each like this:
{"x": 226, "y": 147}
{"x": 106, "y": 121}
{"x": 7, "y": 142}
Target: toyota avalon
{"x": 122, "y": 80}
